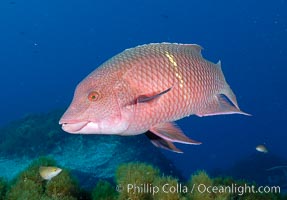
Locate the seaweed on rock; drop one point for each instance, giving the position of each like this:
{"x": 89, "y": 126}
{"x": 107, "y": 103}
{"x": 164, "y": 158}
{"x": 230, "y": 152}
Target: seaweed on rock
{"x": 104, "y": 191}
{"x": 136, "y": 174}
{"x": 30, "y": 185}
{"x": 167, "y": 188}
{"x": 3, "y": 188}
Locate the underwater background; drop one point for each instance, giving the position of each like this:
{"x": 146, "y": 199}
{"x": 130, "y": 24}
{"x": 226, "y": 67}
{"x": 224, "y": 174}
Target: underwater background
{"x": 47, "y": 47}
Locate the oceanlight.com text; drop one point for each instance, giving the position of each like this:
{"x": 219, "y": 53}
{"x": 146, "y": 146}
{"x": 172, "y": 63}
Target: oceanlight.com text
{"x": 200, "y": 188}
{"x": 237, "y": 189}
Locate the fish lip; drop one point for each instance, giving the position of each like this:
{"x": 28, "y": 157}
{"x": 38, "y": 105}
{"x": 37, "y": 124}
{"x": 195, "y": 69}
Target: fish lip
{"x": 68, "y": 121}
{"x": 73, "y": 127}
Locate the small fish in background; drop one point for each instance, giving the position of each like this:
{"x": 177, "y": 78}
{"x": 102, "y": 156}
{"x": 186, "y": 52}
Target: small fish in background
{"x": 262, "y": 148}
{"x": 48, "y": 173}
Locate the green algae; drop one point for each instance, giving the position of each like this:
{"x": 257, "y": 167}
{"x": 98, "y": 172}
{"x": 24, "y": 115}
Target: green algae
{"x": 104, "y": 191}
{"x": 3, "y": 188}
{"x": 136, "y": 174}
{"x": 29, "y": 185}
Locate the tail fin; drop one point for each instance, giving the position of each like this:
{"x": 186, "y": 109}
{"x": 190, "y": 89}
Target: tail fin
{"x": 228, "y": 102}
{"x": 229, "y": 97}
{"x": 222, "y": 104}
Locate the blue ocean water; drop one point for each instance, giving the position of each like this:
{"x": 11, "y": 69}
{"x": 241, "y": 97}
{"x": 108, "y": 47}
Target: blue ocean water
{"x": 47, "y": 47}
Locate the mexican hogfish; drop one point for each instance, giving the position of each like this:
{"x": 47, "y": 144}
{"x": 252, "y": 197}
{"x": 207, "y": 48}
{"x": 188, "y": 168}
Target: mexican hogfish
{"x": 144, "y": 89}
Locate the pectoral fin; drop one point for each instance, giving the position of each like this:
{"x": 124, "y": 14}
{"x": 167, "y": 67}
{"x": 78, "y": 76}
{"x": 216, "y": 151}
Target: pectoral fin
{"x": 149, "y": 98}
{"x": 170, "y": 132}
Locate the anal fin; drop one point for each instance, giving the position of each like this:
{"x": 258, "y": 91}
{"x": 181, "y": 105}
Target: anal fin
{"x": 161, "y": 143}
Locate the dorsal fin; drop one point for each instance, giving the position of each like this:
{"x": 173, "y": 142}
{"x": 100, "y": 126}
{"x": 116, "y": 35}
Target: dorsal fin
{"x": 218, "y": 64}
{"x": 195, "y": 47}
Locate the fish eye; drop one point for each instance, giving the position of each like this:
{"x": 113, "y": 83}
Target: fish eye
{"x": 55, "y": 170}
{"x": 93, "y": 96}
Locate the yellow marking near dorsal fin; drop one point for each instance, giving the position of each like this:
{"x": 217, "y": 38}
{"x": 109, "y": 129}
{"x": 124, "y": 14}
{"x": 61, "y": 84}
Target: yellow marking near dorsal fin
{"x": 175, "y": 67}
{"x": 171, "y": 58}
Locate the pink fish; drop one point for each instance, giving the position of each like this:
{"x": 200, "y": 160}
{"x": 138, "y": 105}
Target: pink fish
{"x": 144, "y": 89}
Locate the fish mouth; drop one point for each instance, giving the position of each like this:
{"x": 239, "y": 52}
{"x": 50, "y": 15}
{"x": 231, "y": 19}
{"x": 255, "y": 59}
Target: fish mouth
{"x": 74, "y": 127}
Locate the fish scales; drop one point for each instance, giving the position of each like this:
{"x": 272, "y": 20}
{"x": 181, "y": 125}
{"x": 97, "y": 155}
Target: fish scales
{"x": 144, "y": 89}
{"x": 158, "y": 67}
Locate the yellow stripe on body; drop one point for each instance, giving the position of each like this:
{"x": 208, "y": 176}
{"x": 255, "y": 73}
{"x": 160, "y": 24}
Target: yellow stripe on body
{"x": 178, "y": 75}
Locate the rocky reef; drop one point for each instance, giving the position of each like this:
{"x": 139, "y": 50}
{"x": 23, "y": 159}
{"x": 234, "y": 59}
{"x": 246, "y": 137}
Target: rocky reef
{"x": 264, "y": 169}
{"x": 134, "y": 180}
{"x": 89, "y": 157}
{"x": 96, "y": 167}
